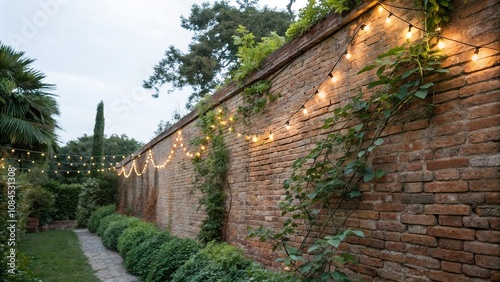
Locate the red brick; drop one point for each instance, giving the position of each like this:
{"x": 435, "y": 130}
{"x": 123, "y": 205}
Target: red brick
{"x": 419, "y": 239}
{"x": 418, "y": 219}
{"x": 490, "y": 134}
{"x": 492, "y": 198}
{"x": 451, "y": 266}
{"x": 450, "y": 244}
{"x": 454, "y": 256}
{"x": 452, "y": 232}
{"x": 366, "y": 214}
{"x": 482, "y": 248}
{"x": 448, "y": 174}
{"x": 485, "y": 185}
{"x": 446, "y": 186}
{"x": 447, "y": 163}
{"x": 445, "y": 198}
{"x": 481, "y": 123}
{"x": 475, "y": 221}
{"x": 442, "y": 276}
{"x": 472, "y": 198}
{"x": 422, "y": 261}
{"x": 488, "y": 261}
{"x": 446, "y": 220}
{"x": 475, "y": 271}
{"x": 390, "y": 225}
{"x": 448, "y": 209}
{"x": 488, "y": 236}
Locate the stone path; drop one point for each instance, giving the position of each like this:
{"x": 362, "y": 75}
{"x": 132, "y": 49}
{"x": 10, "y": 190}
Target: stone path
{"x": 107, "y": 264}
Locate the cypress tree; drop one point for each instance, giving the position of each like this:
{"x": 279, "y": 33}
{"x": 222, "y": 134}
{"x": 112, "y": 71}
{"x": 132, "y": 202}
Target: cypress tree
{"x": 98, "y": 138}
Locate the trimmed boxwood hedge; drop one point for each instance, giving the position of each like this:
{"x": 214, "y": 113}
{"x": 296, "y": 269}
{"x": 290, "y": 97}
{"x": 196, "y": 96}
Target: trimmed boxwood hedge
{"x": 105, "y": 222}
{"x": 98, "y": 215}
{"x": 115, "y": 230}
{"x": 134, "y": 236}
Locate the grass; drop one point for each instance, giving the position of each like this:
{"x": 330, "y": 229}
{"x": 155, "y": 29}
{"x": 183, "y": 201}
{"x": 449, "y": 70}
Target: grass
{"x": 57, "y": 256}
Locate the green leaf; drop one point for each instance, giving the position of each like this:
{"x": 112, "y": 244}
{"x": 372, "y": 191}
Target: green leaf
{"x": 361, "y": 153}
{"x": 354, "y": 194}
{"x": 387, "y": 112}
{"x": 422, "y": 93}
{"x": 379, "y": 173}
{"x": 427, "y": 85}
{"x": 313, "y": 248}
{"x": 335, "y": 242}
{"x": 408, "y": 73}
{"x": 379, "y": 142}
{"x": 358, "y": 233}
{"x": 367, "y": 68}
{"x": 368, "y": 177}
{"x": 359, "y": 127}
{"x": 305, "y": 268}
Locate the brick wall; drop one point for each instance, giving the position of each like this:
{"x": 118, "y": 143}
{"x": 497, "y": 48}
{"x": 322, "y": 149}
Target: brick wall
{"x": 434, "y": 216}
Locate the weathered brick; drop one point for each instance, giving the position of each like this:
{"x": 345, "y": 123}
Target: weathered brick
{"x": 482, "y": 248}
{"x": 475, "y": 221}
{"x": 446, "y": 186}
{"x": 422, "y": 261}
{"x": 451, "y": 244}
{"x": 451, "y": 266}
{"x": 455, "y": 256}
{"x": 485, "y": 185}
{"x": 488, "y": 211}
{"x": 488, "y": 261}
{"x": 447, "y": 163}
{"x": 446, "y": 198}
{"x": 446, "y": 220}
{"x": 419, "y": 239}
{"x": 416, "y": 177}
{"x": 452, "y": 232}
{"x": 418, "y": 219}
{"x": 485, "y": 161}
{"x": 475, "y": 271}
{"x": 418, "y": 199}
{"x": 443, "y": 276}
{"x": 448, "y": 209}
{"x": 488, "y": 236}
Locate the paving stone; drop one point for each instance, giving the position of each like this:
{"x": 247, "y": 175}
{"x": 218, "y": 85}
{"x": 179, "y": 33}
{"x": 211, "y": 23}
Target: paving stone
{"x": 107, "y": 264}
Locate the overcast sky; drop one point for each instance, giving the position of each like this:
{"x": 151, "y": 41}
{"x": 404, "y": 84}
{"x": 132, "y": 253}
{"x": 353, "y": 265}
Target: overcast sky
{"x": 97, "y": 50}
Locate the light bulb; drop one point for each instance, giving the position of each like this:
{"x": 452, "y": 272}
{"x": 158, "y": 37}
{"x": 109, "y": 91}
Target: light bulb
{"x": 332, "y": 77}
{"x": 365, "y": 27}
{"x": 441, "y": 44}
{"x": 321, "y": 94}
{"x": 255, "y": 139}
{"x": 347, "y": 55}
{"x": 287, "y": 125}
{"x": 388, "y": 20}
{"x": 271, "y": 136}
{"x": 380, "y": 9}
{"x": 304, "y": 110}
{"x": 476, "y": 55}
{"x": 409, "y": 33}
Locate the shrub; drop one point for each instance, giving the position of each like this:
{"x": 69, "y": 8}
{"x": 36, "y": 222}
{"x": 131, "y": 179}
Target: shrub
{"x": 98, "y": 215}
{"x": 115, "y": 230}
{"x": 134, "y": 235}
{"x": 40, "y": 203}
{"x": 66, "y": 200}
{"x": 141, "y": 257}
{"x": 258, "y": 273}
{"x": 96, "y": 192}
{"x": 105, "y": 222}
{"x": 216, "y": 262}
{"x": 170, "y": 257}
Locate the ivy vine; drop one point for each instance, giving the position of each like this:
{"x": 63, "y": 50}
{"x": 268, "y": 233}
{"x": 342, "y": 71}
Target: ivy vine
{"x": 211, "y": 167}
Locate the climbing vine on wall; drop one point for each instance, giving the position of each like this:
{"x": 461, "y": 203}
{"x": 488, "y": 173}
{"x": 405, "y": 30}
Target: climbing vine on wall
{"x": 211, "y": 166}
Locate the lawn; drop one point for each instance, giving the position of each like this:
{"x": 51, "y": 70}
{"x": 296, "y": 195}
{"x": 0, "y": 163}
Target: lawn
{"x": 57, "y": 256}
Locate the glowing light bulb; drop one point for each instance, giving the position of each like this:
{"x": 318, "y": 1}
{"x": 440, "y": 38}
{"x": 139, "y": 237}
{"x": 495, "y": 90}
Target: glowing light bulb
{"x": 409, "y": 34}
{"x": 321, "y": 94}
{"x": 365, "y": 27}
{"x": 347, "y": 55}
{"x": 441, "y": 44}
{"x": 332, "y": 77}
{"x": 388, "y": 20}
{"x": 304, "y": 110}
{"x": 287, "y": 125}
{"x": 476, "y": 55}
{"x": 255, "y": 139}
{"x": 271, "y": 136}
{"x": 380, "y": 9}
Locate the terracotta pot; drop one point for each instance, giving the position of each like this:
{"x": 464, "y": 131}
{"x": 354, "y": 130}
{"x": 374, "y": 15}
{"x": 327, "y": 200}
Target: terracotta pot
{"x": 32, "y": 224}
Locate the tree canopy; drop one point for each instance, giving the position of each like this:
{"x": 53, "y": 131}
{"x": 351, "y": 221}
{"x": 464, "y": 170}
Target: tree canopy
{"x": 212, "y": 53}
{"x": 27, "y": 110}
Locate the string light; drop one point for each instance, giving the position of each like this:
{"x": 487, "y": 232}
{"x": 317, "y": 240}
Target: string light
{"x": 476, "y": 55}
{"x": 332, "y": 77}
{"x": 347, "y": 55}
{"x": 441, "y": 44}
{"x": 271, "y": 136}
{"x": 304, "y": 110}
{"x": 287, "y": 125}
{"x": 365, "y": 27}
{"x": 255, "y": 139}
{"x": 409, "y": 34}
{"x": 388, "y": 19}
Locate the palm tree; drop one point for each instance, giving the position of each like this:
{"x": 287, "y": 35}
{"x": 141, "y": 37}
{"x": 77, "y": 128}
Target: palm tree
{"x": 27, "y": 110}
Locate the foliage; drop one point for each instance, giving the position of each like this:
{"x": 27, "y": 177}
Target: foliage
{"x": 56, "y": 255}
{"x": 170, "y": 257}
{"x": 211, "y": 171}
{"x": 330, "y": 175}
{"x": 141, "y": 257}
{"x": 134, "y": 236}
{"x": 106, "y": 221}
{"x": 66, "y": 200}
{"x": 23, "y": 272}
{"x": 164, "y": 125}
{"x": 96, "y": 217}
{"x": 27, "y": 110}
{"x": 212, "y": 53}
{"x": 256, "y": 98}
{"x": 315, "y": 11}
{"x": 437, "y": 13}
{"x": 40, "y": 203}
{"x": 251, "y": 54}
{"x": 115, "y": 230}
{"x": 96, "y": 192}
{"x": 98, "y": 137}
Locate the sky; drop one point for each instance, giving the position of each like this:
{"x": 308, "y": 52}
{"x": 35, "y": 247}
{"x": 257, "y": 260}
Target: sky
{"x": 97, "y": 50}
